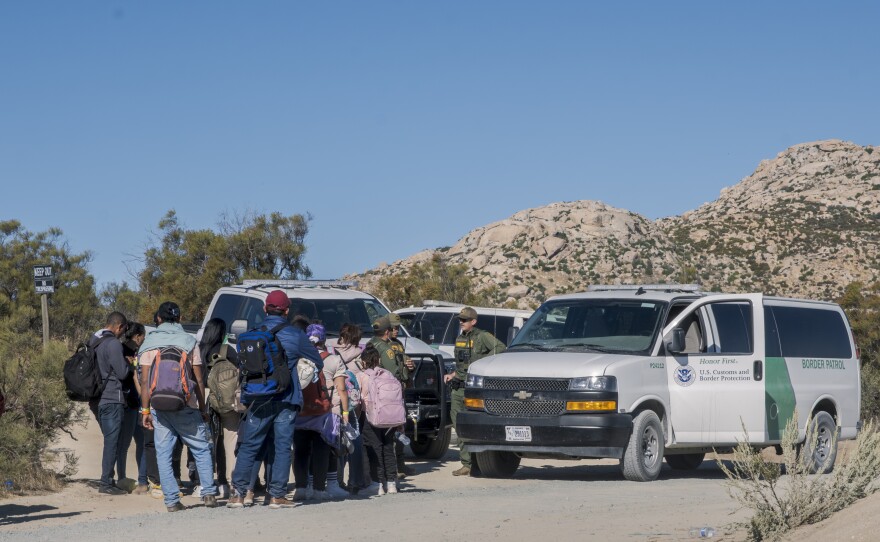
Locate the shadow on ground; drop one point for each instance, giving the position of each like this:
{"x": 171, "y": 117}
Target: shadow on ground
{"x": 12, "y": 514}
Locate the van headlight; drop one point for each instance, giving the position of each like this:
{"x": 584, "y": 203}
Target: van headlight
{"x": 593, "y": 383}
{"x": 474, "y": 381}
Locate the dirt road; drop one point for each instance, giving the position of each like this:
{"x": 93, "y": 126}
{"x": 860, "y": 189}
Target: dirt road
{"x": 547, "y": 499}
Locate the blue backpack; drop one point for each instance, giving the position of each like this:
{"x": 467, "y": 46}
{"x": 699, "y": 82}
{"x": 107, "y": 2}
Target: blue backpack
{"x": 263, "y": 364}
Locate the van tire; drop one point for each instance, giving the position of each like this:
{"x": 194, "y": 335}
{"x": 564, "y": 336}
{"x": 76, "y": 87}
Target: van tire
{"x": 643, "y": 456}
{"x": 685, "y": 461}
{"x": 433, "y": 448}
{"x": 497, "y": 464}
{"x": 822, "y": 452}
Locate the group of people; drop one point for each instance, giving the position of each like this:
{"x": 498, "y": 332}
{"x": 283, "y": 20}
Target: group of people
{"x": 294, "y": 424}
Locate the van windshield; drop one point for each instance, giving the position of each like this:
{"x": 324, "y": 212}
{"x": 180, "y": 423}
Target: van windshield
{"x": 591, "y": 325}
{"x": 333, "y": 313}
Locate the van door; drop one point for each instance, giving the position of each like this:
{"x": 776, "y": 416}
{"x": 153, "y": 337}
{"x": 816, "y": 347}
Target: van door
{"x": 716, "y": 386}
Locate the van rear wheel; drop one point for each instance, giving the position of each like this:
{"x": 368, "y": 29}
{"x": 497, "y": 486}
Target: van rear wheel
{"x": 497, "y": 464}
{"x": 643, "y": 456}
{"x": 821, "y": 451}
{"x": 685, "y": 461}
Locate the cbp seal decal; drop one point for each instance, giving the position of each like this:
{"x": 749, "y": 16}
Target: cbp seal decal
{"x": 685, "y": 376}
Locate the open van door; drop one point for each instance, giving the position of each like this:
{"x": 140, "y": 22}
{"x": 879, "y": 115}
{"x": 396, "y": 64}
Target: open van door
{"x": 715, "y": 362}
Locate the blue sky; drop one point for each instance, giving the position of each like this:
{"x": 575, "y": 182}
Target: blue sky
{"x": 401, "y": 126}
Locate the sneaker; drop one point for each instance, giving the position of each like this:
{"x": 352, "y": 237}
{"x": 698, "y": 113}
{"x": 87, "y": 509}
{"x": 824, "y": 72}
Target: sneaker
{"x": 126, "y": 484}
{"x": 321, "y": 495}
{"x": 300, "y": 494}
{"x": 141, "y": 489}
{"x": 156, "y": 491}
{"x": 336, "y": 491}
{"x": 372, "y": 489}
{"x": 392, "y": 488}
{"x": 223, "y": 491}
{"x": 210, "y": 501}
{"x": 463, "y": 471}
{"x": 249, "y": 498}
{"x": 281, "y": 502}
{"x": 112, "y": 490}
{"x": 197, "y": 491}
{"x": 381, "y": 490}
{"x": 176, "y": 507}
{"x": 235, "y": 501}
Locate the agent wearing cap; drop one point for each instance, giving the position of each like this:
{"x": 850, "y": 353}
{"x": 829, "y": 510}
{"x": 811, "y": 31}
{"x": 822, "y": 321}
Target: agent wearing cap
{"x": 473, "y": 344}
{"x": 381, "y": 341}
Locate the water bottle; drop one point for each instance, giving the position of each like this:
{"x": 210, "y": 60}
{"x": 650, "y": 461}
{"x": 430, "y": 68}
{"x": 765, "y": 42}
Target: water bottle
{"x": 402, "y": 438}
{"x": 702, "y": 532}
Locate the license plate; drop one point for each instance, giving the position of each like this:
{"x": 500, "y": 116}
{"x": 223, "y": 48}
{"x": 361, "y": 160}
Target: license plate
{"x": 518, "y": 433}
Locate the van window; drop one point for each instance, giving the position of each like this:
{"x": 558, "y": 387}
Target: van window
{"x": 496, "y": 325}
{"x": 435, "y": 324}
{"x": 226, "y": 308}
{"x": 733, "y": 321}
{"x": 253, "y": 311}
{"x": 333, "y": 313}
{"x": 771, "y": 335}
{"x": 590, "y": 325}
{"x": 812, "y": 333}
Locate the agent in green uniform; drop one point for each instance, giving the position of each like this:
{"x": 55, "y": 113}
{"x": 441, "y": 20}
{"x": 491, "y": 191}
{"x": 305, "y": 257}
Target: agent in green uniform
{"x": 390, "y": 360}
{"x": 472, "y": 344}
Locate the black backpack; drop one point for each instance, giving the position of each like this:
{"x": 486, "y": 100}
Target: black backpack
{"x": 82, "y": 376}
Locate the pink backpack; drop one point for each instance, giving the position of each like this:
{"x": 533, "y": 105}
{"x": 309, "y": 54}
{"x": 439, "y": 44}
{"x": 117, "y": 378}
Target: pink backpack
{"x": 385, "y": 406}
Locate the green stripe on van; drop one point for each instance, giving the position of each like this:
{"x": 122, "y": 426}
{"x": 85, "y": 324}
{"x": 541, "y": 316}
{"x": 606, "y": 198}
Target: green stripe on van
{"x": 779, "y": 400}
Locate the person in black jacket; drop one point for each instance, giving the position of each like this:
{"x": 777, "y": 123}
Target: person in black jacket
{"x": 109, "y": 409}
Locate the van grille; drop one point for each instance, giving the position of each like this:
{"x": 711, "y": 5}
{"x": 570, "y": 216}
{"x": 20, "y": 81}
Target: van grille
{"x": 526, "y": 409}
{"x": 526, "y": 384}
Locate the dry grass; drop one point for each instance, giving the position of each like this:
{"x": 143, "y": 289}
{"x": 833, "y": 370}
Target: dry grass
{"x": 784, "y": 495}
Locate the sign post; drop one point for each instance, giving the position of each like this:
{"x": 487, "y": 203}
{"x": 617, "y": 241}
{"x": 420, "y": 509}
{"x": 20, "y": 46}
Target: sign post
{"x": 44, "y": 281}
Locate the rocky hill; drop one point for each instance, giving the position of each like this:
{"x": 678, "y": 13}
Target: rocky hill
{"x": 804, "y": 224}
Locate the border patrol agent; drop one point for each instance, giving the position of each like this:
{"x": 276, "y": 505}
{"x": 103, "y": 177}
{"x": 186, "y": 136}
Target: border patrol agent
{"x": 381, "y": 341}
{"x": 471, "y": 345}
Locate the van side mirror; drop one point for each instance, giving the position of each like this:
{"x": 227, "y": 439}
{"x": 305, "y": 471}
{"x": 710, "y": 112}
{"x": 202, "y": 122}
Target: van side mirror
{"x": 511, "y": 333}
{"x": 675, "y": 344}
{"x": 238, "y": 327}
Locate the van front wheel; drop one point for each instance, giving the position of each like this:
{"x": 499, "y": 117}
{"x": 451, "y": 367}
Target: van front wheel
{"x": 821, "y": 451}
{"x": 497, "y": 464}
{"x": 643, "y": 456}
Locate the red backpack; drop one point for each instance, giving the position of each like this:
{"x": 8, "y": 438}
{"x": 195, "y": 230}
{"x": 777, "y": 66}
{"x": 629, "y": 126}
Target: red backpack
{"x": 316, "y": 397}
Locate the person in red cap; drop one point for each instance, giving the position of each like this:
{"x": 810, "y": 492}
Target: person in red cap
{"x": 274, "y": 415}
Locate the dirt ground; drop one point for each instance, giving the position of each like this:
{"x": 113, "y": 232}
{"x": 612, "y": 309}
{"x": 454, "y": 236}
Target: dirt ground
{"x": 558, "y": 499}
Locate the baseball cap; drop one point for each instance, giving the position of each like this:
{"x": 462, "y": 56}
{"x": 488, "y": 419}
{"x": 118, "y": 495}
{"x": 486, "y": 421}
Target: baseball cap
{"x": 381, "y": 324}
{"x": 467, "y": 313}
{"x": 316, "y": 333}
{"x": 394, "y": 319}
{"x": 169, "y": 312}
{"x": 277, "y": 299}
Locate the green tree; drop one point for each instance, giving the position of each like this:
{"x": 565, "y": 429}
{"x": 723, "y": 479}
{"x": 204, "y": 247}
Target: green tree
{"x": 188, "y": 266}
{"x": 862, "y": 306}
{"x": 433, "y": 279}
{"x": 73, "y": 308}
{"x": 121, "y": 297}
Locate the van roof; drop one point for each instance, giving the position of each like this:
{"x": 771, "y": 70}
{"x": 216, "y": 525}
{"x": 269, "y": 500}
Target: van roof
{"x": 311, "y": 289}
{"x": 447, "y": 307}
{"x": 661, "y": 292}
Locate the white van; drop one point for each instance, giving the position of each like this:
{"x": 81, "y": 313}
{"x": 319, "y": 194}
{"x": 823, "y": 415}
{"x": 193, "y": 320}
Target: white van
{"x": 640, "y": 373}
{"x": 436, "y": 322}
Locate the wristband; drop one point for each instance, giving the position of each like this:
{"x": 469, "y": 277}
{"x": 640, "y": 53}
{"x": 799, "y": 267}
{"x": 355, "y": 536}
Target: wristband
{"x": 145, "y": 411}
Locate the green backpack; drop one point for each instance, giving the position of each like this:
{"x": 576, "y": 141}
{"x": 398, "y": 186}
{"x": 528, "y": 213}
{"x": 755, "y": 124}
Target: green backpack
{"x": 223, "y": 382}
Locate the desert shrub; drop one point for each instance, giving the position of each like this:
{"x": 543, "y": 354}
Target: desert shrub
{"x": 37, "y": 408}
{"x": 782, "y": 503}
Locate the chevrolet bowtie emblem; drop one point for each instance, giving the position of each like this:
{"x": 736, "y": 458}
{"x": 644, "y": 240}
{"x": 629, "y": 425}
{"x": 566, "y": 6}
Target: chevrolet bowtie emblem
{"x": 522, "y": 395}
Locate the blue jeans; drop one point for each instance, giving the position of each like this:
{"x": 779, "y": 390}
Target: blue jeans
{"x": 262, "y": 418}
{"x": 110, "y": 421}
{"x": 188, "y": 425}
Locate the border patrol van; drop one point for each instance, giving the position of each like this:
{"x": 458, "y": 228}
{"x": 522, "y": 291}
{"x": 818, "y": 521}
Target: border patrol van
{"x": 643, "y": 373}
